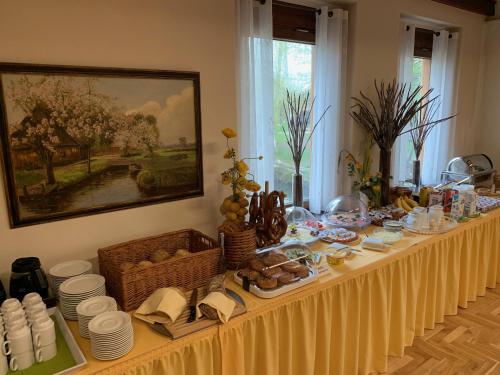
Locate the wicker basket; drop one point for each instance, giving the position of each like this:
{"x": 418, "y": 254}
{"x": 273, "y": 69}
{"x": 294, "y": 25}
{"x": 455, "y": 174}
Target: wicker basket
{"x": 239, "y": 247}
{"x": 131, "y": 287}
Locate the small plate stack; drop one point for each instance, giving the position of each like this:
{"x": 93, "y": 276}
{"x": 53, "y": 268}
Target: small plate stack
{"x": 63, "y": 271}
{"x": 77, "y": 289}
{"x": 90, "y": 308}
{"x": 111, "y": 335}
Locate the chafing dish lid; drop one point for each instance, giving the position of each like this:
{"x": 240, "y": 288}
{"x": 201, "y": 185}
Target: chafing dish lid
{"x": 470, "y": 164}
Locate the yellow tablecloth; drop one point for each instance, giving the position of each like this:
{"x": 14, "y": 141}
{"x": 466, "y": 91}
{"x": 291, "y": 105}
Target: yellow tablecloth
{"x": 345, "y": 323}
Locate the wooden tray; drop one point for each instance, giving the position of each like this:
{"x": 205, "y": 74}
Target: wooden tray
{"x": 182, "y": 328}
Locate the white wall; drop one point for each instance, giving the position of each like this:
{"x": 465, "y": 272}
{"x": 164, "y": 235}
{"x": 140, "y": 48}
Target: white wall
{"x": 488, "y": 137}
{"x": 190, "y": 35}
{"x": 195, "y": 35}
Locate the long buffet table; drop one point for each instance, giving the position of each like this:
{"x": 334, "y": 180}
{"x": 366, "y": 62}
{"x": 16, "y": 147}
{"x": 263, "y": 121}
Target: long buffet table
{"x": 347, "y": 322}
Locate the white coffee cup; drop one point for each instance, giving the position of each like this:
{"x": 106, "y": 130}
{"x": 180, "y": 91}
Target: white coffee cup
{"x": 45, "y": 353}
{"x": 18, "y": 341}
{"x": 37, "y": 314}
{"x": 31, "y": 298}
{"x": 13, "y": 315}
{"x": 43, "y": 332}
{"x": 35, "y": 306}
{"x": 4, "y": 365}
{"x": 21, "y": 361}
{"x": 10, "y": 304}
{"x": 15, "y": 323}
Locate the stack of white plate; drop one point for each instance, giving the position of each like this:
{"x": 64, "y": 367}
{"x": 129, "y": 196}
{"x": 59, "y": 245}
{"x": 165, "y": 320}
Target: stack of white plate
{"x": 77, "y": 289}
{"x": 90, "y": 308}
{"x": 63, "y": 271}
{"x": 111, "y": 335}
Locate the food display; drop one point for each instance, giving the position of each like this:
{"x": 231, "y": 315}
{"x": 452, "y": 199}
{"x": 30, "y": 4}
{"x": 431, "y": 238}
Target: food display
{"x": 300, "y": 233}
{"x": 346, "y": 211}
{"x": 388, "y": 237}
{"x": 485, "y": 204}
{"x": 267, "y": 214}
{"x": 393, "y": 225}
{"x": 277, "y": 271}
{"x": 338, "y": 235}
{"x": 378, "y": 217}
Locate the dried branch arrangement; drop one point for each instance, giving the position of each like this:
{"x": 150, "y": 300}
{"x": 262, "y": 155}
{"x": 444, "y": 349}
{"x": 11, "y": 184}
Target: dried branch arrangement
{"x": 397, "y": 104}
{"x": 422, "y": 124}
{"x": 298, "y": 110}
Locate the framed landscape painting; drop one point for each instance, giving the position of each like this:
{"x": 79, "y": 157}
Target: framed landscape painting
{"x": 83, "y": 140}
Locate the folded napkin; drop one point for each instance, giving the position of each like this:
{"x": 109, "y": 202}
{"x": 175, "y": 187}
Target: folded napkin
{"x": 163, "y": 305}
{"x": 223, "y": 304}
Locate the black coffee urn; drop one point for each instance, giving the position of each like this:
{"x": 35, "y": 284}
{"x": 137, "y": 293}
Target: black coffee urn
{"x": 27, "y": 276}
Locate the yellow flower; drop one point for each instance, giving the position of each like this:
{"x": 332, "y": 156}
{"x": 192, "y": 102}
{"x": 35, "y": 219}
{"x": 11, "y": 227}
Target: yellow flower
{"x": 242, "y": 167}
{"x": 226, "y": 178}
{"x": 242, "y": 181}
{"x": 229, "y": 153}
{"x": 376, "y": 188}
{"x": 229, "y": 133}
{"x": 252, "y": 186}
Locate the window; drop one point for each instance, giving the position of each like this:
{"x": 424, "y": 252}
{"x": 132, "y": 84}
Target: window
{"x": 293, "y": 48}
{"x": 292, "y": 71}
{"x": 421, "y": 77}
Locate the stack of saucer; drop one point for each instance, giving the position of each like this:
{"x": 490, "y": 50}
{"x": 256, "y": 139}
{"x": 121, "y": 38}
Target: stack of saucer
{"x": 63, "y": 271}
{"x": 77, "y": 289}
{"x": 90, "y": 308}
{"x": 111, "y": 335}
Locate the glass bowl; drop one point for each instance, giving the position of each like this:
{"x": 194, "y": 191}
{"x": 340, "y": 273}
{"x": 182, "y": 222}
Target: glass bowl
{"x": 346, "y": 211}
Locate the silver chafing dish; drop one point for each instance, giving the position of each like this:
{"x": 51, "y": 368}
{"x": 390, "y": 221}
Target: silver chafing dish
{"x": 478, "y": 168}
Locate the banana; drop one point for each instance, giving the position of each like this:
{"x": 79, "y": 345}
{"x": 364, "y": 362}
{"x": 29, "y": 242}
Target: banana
{"x": 405, "y": 206}
{"x": 411, "y": 203}
{"x": 397, "y": 202}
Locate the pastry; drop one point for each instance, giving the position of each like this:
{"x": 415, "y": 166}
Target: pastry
{"x": 302, "y": 272}
{"x": 267, "y": 283}
{"x": 269, "y": 272}
{"x": 159, "y": 256}
{"x": 256, "y": 265}
{"x": 272, "y": 259}
{"x": 288, "y": 278}
{"x": 145, "y": 263}
{"x": 291, "y": 266}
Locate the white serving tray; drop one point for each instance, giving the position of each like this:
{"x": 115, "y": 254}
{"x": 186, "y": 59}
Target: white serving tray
{"x": 264, "y": 293}
{"x": 80, "y": 360}
{"x": 446, "y": 225}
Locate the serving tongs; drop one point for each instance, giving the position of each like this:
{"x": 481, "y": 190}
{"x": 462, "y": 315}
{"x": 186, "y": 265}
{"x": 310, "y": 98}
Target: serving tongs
{"x": 442, "y": 185}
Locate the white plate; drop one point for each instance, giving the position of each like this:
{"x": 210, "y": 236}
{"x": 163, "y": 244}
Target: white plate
{"x": 96, "y": 305}
{"x": 70, "y": 268}
{"x": 82, "y": 284}
{"x": 109, "y": 322}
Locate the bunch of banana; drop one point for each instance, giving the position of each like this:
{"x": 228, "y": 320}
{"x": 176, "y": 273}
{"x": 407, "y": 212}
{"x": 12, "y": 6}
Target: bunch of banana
{"x": 405, "y": 203}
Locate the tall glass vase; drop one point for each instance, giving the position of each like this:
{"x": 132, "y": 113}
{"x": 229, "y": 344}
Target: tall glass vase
{"x": 417, "y": 179}
{"x": 297, "y": 214}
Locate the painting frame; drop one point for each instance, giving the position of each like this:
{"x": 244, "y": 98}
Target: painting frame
{"x": 12, "y": 199}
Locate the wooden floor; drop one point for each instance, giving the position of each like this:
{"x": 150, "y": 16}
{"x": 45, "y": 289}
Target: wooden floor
{"x": 468, "y": 343}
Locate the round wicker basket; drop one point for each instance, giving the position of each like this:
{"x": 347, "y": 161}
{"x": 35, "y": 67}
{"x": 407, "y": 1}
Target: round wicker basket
{"x": 239, "y": 246}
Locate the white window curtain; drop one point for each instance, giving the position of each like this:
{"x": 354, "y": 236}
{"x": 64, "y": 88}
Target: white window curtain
{"x": 329, "y": 90}
{"x": 438, "y": 147}
{"x": 255, "y": 91}
{"x": 403, "y": 153}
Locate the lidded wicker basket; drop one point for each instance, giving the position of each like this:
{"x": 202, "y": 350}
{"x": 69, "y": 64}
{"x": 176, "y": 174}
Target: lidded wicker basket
{"x": 131, "y": 287}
